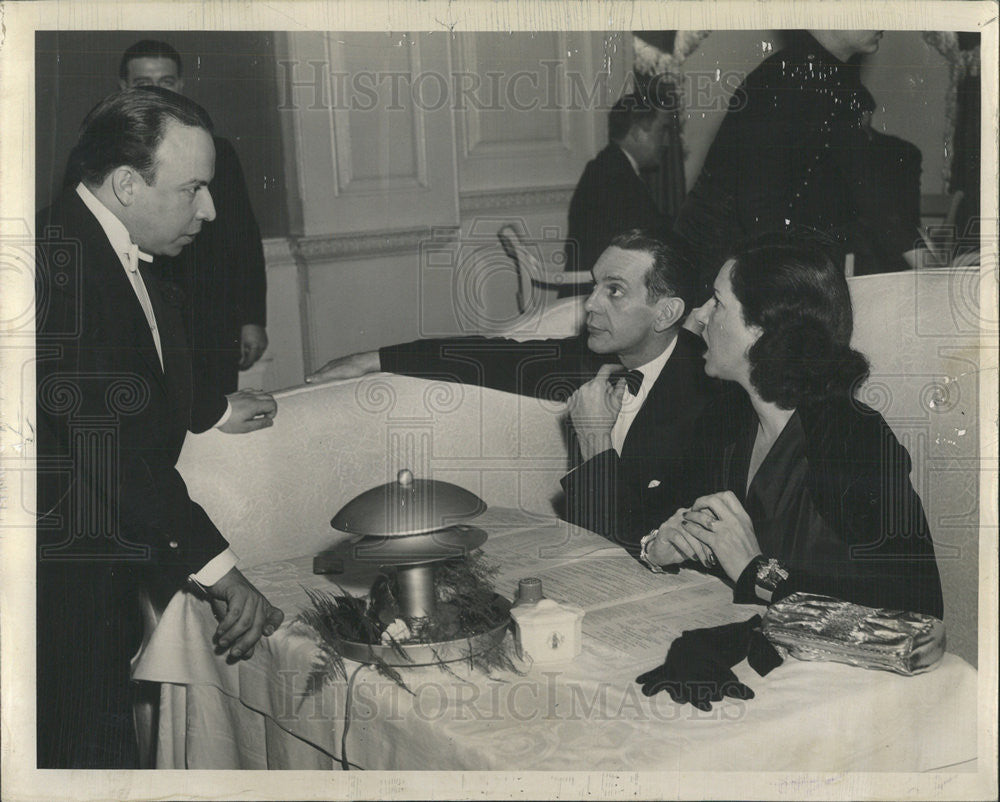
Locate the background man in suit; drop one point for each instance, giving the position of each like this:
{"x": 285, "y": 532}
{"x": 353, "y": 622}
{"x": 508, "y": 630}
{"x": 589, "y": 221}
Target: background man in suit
{"x": 222, "y": 272}
{"x": 114, "y": 391}
{"x": 631, "y": 438}
{"x": 611, "y": 196}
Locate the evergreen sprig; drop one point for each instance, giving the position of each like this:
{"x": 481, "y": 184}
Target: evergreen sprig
{"x": 467, "y": 606}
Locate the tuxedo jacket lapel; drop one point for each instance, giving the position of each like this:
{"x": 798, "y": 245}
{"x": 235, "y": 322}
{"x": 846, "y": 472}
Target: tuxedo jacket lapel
{"x": 176, "y": 364}
{"x": 116, "y": 284}
{"x": 668, "y": 400}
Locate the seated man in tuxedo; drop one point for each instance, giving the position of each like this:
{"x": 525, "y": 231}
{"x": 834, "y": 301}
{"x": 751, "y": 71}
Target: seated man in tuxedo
{"x": 114, "y": 398}
{"x": 611, "y": 195}
{"x": 630, "y": 431}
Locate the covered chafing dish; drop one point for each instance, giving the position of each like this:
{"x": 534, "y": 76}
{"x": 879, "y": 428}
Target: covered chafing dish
{"x": 407, "y": 525}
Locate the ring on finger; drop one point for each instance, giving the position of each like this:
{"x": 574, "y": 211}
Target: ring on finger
{"x": 709, "y": 524}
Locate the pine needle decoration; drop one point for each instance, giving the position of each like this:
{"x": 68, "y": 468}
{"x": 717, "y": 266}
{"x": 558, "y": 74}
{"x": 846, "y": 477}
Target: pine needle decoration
{"x": 466, "y": 606}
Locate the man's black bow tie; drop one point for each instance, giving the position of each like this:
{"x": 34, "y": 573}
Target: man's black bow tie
{"x": 633, "y": 379}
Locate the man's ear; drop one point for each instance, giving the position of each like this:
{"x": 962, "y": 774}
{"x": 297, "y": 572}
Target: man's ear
{"x": 124, "y": 182}
{"x": 122, "y": 83}
{"x": 670, "y": 311}
{"x": 179, "y": 86}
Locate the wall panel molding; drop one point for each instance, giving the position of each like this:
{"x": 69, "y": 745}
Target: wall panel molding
{"x": 474, "y": 143}
{"x": 347, "y": 182}
{"x": 539, "y": 121}
{"x": 353, "y": 174}
{"x": 334, "y": 247}
{"x": 278, "y": 251}
{"x": 490, "y": 200}
{"x": 376, "y": 183}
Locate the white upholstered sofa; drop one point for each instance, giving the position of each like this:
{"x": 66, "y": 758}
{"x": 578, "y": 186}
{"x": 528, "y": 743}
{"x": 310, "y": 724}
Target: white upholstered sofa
{"x": 273, "y": 493}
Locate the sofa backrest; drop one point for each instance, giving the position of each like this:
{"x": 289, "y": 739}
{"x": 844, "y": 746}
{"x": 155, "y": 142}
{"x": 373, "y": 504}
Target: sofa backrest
{"x": 273, "y": 493}
{"x": 921, "y": 332}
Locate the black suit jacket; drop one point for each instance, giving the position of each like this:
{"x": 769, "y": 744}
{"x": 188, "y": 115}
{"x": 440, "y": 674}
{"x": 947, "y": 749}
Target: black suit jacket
{"x": 111, "y": 421}
{"x": 625, "y": 497}
{"x": 608, "y": 494}
{"x": 609, "y": 199}
{"x": 886, "y": 186}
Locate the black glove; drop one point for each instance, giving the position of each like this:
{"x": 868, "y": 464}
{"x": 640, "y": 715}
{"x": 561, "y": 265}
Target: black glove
{"x": 698, "y": 668}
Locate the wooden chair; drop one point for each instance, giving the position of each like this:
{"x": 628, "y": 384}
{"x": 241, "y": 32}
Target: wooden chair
{"x": 939, "y": 235}
{"x": 531, "y": 275}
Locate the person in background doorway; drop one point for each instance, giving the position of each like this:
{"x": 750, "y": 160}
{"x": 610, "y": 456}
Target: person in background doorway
{"x": 611, "y": 196}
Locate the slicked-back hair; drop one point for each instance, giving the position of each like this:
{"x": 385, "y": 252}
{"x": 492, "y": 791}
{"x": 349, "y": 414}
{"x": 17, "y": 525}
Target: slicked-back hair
{"x": 671, "y": 273}
{"x": 148, "y": 48}
{"x": 795, "y": 292}
{"x": 629, "y": 110}
{"x": 126, "y": 128}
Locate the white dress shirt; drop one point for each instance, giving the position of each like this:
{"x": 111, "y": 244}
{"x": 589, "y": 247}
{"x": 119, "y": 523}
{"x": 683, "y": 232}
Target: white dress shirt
{"x": 129, "y": 254}
{"x": 632, "y": 161}
{"x": 631, "y": 404}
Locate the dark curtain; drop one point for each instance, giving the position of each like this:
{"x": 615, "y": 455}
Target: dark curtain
{"x": 967, "y": 157}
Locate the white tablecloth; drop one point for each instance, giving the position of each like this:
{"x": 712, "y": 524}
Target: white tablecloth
{"x": 584, "y": 715}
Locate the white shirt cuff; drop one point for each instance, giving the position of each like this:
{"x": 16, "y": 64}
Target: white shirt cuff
{"x": 225, "y": 415}
{"x": 215, "y": 569}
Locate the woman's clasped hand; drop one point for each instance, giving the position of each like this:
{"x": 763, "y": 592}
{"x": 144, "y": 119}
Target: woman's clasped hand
{"x": 721, "y": 525}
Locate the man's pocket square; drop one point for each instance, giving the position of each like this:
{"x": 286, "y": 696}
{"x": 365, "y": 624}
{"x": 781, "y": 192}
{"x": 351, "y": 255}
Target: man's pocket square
{"x": 654, "y": 483}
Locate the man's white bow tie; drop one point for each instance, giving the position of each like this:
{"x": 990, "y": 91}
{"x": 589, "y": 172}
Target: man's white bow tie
{"x": 132, "y": 257}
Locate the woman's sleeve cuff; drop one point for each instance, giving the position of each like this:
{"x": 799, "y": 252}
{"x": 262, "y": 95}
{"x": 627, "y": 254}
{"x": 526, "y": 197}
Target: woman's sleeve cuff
{"x": 743, "y": 591}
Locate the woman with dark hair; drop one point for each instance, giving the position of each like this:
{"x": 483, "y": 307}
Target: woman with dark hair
{"x": 811, "y": 487}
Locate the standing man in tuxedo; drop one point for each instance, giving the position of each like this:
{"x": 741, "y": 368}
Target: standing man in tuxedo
{"x": 631, "y": 431}
{"x": 223, "y": 272}
{"x": 611, "y": 196}
{"x": 113, "y": 395}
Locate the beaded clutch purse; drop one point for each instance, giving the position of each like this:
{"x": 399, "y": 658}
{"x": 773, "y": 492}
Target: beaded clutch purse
{"x": 812, "y": 627}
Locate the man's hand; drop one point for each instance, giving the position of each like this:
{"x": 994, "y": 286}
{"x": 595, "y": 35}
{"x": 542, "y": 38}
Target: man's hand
{"x": 347, "y": 367}
{"x": 594, "y": 408}
{"x": 253, "y": 344}
{"x": 243, "y": 614}
{"x": 251, "y": 410}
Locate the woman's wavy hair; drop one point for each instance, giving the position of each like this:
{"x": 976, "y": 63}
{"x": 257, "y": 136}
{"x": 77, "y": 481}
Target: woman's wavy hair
{"x": 792, "y": 289}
